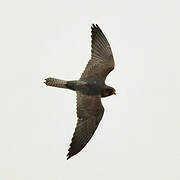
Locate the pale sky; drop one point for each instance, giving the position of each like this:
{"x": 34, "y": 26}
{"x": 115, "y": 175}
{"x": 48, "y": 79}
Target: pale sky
{"x": 139, "y": 135}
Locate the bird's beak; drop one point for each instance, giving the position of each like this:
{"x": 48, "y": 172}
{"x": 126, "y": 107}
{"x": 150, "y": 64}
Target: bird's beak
{"x": 114, "y": 92}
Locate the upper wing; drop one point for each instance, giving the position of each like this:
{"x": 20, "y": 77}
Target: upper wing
{"x": 102, "y": 62}
{"x": 89, "y": 112}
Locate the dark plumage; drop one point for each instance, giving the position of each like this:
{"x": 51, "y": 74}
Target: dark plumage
{"x": 89, "y": 88}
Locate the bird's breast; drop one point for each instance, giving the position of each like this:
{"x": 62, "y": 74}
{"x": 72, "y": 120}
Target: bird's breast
{"x": 89, "y": 88}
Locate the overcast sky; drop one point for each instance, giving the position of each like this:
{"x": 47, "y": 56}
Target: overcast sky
{"x": 139, "y": 135}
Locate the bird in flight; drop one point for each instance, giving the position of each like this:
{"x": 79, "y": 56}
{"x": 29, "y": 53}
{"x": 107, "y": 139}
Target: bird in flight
{"x": 90, "y": 88}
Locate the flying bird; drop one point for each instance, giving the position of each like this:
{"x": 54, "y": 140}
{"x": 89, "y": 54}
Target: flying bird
{"x": 90, "y": 88}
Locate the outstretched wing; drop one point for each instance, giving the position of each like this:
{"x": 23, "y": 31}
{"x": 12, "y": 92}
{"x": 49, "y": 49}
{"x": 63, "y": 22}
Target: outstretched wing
{"x": 89, "y": 113}
{"x": 102, "y": 62}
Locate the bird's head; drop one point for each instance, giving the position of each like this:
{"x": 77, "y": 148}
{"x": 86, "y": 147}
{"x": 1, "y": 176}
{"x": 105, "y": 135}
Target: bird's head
{"x": 108, "y": 91}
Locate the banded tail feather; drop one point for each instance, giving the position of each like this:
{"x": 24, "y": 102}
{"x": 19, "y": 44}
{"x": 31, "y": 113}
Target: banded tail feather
{"x": 56, "y": 82}
{"x": 61, "y": 83}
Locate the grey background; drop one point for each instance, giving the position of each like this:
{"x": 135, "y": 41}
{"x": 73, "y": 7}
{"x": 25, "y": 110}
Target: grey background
{"x": 139, "y": 136}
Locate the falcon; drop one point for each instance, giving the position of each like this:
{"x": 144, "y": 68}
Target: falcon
{"x": 90, "y": 88}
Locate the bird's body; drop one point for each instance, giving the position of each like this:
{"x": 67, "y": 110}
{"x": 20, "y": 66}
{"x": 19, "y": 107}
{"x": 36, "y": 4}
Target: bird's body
{"x": 89, "y": 89}
{"x": 85, "y": 87}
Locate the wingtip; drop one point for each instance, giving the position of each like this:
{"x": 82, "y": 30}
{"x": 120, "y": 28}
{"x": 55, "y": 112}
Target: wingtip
{"x": 68, "y": 156}
{"x": 71, "y": 154}
{"x": 94, "y": 26}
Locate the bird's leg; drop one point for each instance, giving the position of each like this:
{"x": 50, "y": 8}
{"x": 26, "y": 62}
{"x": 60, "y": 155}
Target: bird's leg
{"x": 56, "y": 83}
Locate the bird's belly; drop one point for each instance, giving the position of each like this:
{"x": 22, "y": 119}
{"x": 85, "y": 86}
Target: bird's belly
{"x": 89, "y": 88}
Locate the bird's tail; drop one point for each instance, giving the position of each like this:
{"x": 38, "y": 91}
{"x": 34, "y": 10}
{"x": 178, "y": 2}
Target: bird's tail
{"x": 56, "y": 83}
